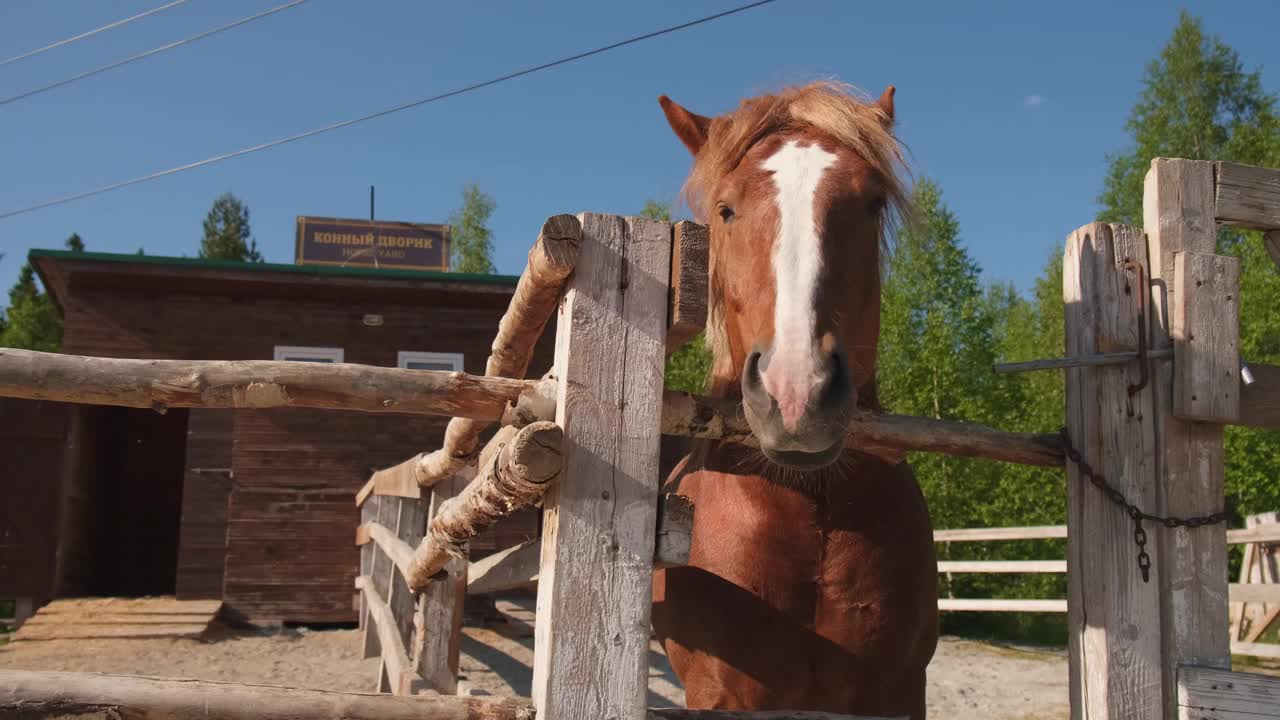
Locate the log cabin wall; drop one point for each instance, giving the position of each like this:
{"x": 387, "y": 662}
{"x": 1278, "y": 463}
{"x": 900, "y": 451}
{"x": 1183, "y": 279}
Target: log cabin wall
{"x": 33, "y": 438}
{"x": 267, "y": 511}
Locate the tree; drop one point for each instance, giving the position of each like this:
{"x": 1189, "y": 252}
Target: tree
{"x": 1198, "y": 102}
{"x": 656, "y": 209}
{"x": 471, "y": 241}
{"x": 31, "y": 321}
{"x": 226, "y": 232}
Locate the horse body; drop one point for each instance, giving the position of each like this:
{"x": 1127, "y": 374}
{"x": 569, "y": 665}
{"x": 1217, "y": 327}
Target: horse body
{"x": 811, "y": 583}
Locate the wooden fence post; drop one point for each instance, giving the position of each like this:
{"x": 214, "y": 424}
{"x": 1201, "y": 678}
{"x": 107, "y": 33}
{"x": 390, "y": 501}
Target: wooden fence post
{"x": 591, "y": 650}
{"x": 438, "y": 638}
{"x": 1178, "y": 212}
{"x": 1113, "y": 615}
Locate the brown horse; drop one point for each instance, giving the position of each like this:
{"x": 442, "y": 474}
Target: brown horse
{"x": 811, "y": 583}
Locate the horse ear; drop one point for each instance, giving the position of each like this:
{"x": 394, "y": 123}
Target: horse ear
{"x": 690, "y": 127}
{"x": 885, "y": 104}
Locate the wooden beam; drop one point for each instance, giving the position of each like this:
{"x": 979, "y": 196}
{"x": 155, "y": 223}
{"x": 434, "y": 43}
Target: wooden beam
{"x": 1002, "y": 566}
{"x": 712, "y": 418}
{"x": 1256, "y": 649}
{"x": 1271, "y": 241}
{"x": 162, "y": 384}
{"x": 29, "y": 694}
{"x": 369, "y": 558}
{"x": 591, "y": 648}
{"x": 1248, "y": 196}
{"x": 1259, "y": 534}
{"x": 990, "y": 605}
{"x": 1255, "y": 592}
{"x": 1206, "y": 340}
{"x": 551, "y": 260}
{"x": 1260, "y": 402}
{"x": 517, "y": 478}
{"x": 517, "y": 567}
{"x": 1114, "y": 648}
{"x": 1034, "y": 532}
{"x": 1206, "y": 693}
{"x": 690, "y": 255}
{"x": 1178, "y": 212}
{"x": 404, "y": 681}
{"x": 49, "y": 695}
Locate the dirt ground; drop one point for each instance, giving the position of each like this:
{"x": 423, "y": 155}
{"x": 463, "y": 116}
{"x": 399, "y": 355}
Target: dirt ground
{"x": 966, "y": 680}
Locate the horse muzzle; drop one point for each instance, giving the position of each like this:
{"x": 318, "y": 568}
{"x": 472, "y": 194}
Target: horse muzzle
{"x": 798, "y": 417}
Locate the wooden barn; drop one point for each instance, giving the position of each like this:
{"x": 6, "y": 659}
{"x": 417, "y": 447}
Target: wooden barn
{"x": 251, "y": 507}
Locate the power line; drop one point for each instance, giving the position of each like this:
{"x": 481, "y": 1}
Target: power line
{"x": 149, "y": 53}
{"x": 381, "y": 113}
{"x": 92, "y": 32}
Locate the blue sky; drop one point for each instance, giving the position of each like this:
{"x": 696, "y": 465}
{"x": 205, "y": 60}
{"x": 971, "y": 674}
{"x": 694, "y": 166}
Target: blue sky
{"x": 1010, "y": 106}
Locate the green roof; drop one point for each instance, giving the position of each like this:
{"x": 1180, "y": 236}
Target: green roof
{"x": 321, "y": 270}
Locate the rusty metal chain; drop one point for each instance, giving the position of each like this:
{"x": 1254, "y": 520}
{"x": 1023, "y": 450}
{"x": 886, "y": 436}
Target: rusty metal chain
{"x": 1133, "y": 511}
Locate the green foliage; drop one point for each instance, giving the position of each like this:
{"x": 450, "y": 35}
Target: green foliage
{"x": 656, "y": 209}
{"x": 940, "y": 333}
{"x": 226, "y": 232}
{"x": 31, "y": 321}
{"x": 471, "y": 241}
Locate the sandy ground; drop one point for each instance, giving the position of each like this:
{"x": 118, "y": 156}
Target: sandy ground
{"x": 966, "y": 680}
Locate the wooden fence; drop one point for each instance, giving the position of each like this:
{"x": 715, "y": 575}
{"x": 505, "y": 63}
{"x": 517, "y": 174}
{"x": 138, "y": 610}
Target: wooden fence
{"x": 625, "y": 290}
{"x": 1258, "y": 589}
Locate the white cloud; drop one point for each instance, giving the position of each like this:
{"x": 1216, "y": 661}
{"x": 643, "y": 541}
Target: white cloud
{"x": 1031, "y": 102}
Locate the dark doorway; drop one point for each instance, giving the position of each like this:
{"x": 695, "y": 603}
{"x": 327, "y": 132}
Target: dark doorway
{"x": 140, "y": 455}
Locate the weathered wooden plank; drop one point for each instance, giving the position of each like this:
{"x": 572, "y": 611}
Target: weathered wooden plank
{"x": 400, "y": 552}
{"x": 1178, "y": 212}
{"x": 1248, "y": 196}
{"x": 1256, "y": 649}
{"x": 1002, "y": 566}
{"x": 517, "y": 566}
{"x": 31, "y": 631}
{"x": 1254, "y": 593}
{"x": 104, "y": 619}
{"x": 996, "y": 605}
{"x": 1260, "y": 402}
{"x": 411, "y": 522}
{"x": 51, "y": 695}
{"x": 252, "y": 384}
{"x": 1260, "y": 534}
{"x": 1265, "y": 569}
{"x": 380, "y": 577}
{"x": 1271, "y": 241}
{"x": 1034, "y": 532}
{"x": 368, "y": 637}
{"x": 592, "y": 636}
{"x": 440, "y": 605}
{"x": 516, "y": 478}
{"x": 132, "y": 606}
{"x": 1206, "y": 341}
{"x": 1206, "y": 693}
{"x": 1115, "y": 654}
{"x": 690, "y": 255}
{"x": 404, "y": 681}
{"x": 551, "y": 260}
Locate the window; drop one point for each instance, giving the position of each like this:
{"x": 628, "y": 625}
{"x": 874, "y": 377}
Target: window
{"x": 429, "y": 360}
{"x": 308, "y": 354}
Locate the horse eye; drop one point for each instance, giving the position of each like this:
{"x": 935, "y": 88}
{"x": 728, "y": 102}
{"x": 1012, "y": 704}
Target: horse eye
{"x": 726, "y": 212}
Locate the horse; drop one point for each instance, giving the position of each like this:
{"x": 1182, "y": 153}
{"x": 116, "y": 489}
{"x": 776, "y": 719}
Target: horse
{"x": 812, "y": 579}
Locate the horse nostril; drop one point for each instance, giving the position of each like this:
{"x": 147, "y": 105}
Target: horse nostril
{"x": 836, "y": 387}
{"x": 751, "y": 373}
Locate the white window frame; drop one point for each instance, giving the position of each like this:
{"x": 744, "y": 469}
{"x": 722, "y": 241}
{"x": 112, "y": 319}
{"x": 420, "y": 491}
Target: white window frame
{"x": 404, "y": 357}
{"x": 311, "y": 354}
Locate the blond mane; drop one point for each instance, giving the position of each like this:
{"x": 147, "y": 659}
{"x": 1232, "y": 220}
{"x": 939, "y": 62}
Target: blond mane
{"x": 841, "y": 111}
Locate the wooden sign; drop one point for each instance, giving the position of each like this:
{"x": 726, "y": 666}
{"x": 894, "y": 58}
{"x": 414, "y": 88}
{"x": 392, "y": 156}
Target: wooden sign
{"x": 365, "y": 243}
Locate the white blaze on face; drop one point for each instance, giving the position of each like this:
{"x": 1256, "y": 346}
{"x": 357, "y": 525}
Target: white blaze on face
{"x": 797, "y": 261}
